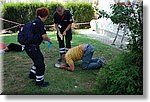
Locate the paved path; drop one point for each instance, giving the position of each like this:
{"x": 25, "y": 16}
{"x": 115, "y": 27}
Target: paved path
{"x": 106, "y": 38}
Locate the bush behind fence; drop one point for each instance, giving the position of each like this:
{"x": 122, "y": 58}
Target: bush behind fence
{"x": 24, "y": 12}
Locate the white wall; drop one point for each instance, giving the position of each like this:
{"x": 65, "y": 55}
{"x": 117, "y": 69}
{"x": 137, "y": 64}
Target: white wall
{"x": 105, "y": 4}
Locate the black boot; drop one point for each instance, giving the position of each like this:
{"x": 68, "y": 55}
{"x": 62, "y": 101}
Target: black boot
{"x": 59, "y": 60}
{"x": 32, "y": 75}
{"x": 43, "y": 84}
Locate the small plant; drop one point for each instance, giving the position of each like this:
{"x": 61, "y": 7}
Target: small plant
{"x": 121, "y": 77}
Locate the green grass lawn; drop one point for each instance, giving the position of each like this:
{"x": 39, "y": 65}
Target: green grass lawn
{"x": 17, "y": 66}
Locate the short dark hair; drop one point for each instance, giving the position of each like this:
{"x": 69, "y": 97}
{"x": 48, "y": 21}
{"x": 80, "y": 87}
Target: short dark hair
{"x": 59, "y": 8}
{"x": 42, "y": 12}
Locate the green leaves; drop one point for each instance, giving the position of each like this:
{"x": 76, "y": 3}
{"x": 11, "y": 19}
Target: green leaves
{"x": 82, "y": 12}
{"x": 24, "y": 12}
{"x": 132, "y": 17}
{"x": 121, "y": 76}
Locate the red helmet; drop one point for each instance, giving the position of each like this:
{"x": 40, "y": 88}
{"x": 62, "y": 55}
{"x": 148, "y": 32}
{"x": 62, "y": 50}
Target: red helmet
{"x": 3, "y": 46}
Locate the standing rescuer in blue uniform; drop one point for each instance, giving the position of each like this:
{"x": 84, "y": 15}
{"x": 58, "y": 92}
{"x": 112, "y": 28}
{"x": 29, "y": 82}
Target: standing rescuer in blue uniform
{"x": 63, "y": 22}
{"x": 33, "y": 50}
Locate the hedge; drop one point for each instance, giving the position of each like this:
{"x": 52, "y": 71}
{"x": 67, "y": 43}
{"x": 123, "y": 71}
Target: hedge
{"x": 24, "y": 12}
{"x": 83, "y": 12}
{"x": 121, "y": 76}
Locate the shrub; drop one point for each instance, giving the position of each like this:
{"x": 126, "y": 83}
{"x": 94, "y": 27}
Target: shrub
{"x": 132, "y": 18}
{"x": 82, "y": 12}
{"x": 124, "y": 75}
{"x": 121, "y": 77}
{"x": 24, "y": 12}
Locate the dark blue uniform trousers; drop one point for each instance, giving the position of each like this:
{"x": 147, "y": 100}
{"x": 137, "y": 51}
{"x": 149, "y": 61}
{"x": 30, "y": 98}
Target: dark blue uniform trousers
{"x": 65, "y": 41}
{"x": 38, "y": 68}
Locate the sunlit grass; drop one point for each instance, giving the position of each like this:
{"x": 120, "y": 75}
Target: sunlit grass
{"x": 17, "y": 66}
